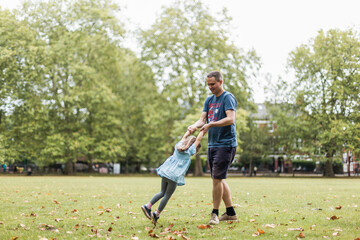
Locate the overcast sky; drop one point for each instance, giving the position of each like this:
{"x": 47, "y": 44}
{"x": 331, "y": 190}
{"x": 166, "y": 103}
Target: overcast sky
{"x": 272, "y": 27}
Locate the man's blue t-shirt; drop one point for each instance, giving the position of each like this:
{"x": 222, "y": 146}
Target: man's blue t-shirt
{"x": 215, "y": 108}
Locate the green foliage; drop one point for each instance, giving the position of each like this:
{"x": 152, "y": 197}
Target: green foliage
{"x": 184, "y": 44}
{"x": 327, "y": 88}
{"x": 69, "y": 90}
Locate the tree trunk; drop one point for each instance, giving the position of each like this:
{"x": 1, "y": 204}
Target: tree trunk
{"x": 251, "y": 167}
{"x": 90, "y": 163}
{"x": 198, "y": 166}
{"x": 126, "y": 165}
{"x": 329, "y": 171}
{"x": 69, "y": 167}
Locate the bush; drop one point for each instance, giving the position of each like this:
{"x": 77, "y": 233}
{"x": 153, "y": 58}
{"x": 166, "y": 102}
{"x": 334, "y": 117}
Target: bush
{"x": 304, "y": 164}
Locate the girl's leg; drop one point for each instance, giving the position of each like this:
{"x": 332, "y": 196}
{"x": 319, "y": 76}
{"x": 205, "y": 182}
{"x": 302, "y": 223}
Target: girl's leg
{"x": 171, "y": 186}
{"x": 159, "y": 195}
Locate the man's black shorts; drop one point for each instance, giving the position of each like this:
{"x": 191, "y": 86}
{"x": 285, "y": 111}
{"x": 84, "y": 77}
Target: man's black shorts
{"x": 220, "y": 159}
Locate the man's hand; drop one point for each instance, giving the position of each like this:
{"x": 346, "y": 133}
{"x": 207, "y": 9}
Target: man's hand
{"x": 192, "y": 129}
{"x": 205, "y": 128}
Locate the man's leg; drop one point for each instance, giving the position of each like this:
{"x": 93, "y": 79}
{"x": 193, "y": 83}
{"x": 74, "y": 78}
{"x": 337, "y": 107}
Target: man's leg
{"x": 226, "y": 196}
{"x": 218, "y": 191}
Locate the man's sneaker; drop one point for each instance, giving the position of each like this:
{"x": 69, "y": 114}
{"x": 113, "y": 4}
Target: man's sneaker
{"x": 226, "y": 217}
{"x": 154, "y": 218}
{"x": 214, "y": 219}
{"x": 146, "y": 211}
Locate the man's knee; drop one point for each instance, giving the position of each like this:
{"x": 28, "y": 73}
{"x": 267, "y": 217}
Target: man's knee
{"x": 217, "y": 182}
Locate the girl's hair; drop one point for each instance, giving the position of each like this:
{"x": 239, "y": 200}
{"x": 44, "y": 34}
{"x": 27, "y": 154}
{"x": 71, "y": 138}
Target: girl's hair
{"x": 186, "y": 143}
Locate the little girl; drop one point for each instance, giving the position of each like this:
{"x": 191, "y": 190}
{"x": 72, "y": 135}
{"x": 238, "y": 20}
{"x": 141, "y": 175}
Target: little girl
{"x": 172, "y": 172}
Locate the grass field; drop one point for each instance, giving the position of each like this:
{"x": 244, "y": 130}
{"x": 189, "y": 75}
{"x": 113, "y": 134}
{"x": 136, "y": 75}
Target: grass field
{"x": 109, "y": 208}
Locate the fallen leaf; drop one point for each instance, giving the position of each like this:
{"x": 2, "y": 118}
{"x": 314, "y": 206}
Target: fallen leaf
{"x": 334, "y": 218}
{"x": 77, "y": 226}
{"x": 301, "y": 235}
{"x": 336, "y": 234}
{"x": 33, "y": 215}
{"x": 58, "y": 219}
{"x": 108, "y": 210}
{"x": 168, "y": 229}
{"x": 153, "y": 235}
{"x": 260, "y": 231}
{"x": 110, "y": 229}
{"x": 74, "y": 211}
{"x": 204, "y": 226}
{"x": 56, "y": 202}
{"x": 338, "y": 207}
{"x": 184, "y": 237}
{"x": 252, "y": 220}
{"x": 101, "y": 207}
{"x": 100, "y": 212}
{"x": 270, "y": 225}
{"x": 88, "y": 225}
{"x": 296, "y": 229}
{"x": 14, "y": 238}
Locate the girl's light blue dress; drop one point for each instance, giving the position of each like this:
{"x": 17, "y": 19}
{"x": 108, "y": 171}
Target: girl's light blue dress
{"x": 176, "y": 166}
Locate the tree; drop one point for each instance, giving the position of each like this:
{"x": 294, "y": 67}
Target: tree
{"x": 327, "y": 88}
{"x": 184, "y": 44}
{"x": 254, "y": 143}
{"x": 21, "y": 50}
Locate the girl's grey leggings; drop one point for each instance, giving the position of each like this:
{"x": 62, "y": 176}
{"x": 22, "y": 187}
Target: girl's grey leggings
{"x": 167, "y": 189}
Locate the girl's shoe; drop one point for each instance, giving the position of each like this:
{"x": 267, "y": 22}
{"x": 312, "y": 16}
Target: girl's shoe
{"x": 146, "y": 211}
{"x": 154, "y": 218}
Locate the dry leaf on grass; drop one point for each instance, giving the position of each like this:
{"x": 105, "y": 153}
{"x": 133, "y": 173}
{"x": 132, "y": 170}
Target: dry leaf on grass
{"x": 204, "y": 226}
{"x": 153, "y": 235}
{"x": 338, "y": 207}
{"x": 334, "y": 218}
{"x": 270, "y": 225}
{"x": 301, "y": 235}
{"x": 296, "y": 229}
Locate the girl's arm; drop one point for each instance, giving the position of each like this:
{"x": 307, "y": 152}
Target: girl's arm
{"x": 198, "y": 138}
{"x": 186, "y": 135}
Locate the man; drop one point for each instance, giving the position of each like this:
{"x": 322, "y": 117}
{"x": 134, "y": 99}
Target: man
{"x": 218, "y": 119}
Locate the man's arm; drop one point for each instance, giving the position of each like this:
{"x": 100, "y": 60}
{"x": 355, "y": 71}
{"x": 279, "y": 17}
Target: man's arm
{"x": 199, "y": 123}
{"x": 228, "y": 120}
